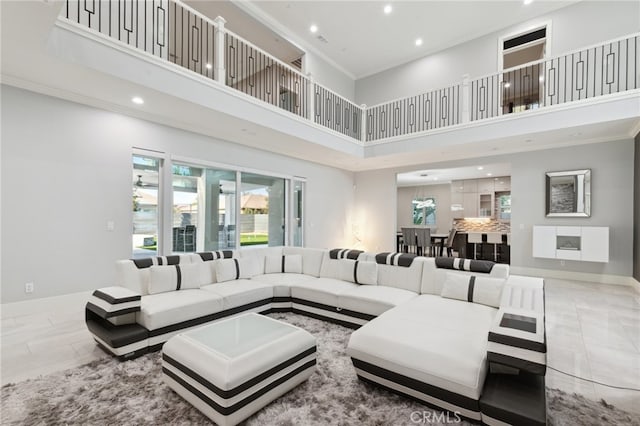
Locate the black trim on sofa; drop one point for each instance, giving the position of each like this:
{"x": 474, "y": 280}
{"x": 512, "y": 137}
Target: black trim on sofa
{"x": 515, "y": 399}
{"x": 225, "y": 411}
{"x": 343, "y": 323}
{"x": 115, "y": 336}
{"x": 226, "y": 394}
{"x": 414, "y": 398}
{"x": 519, "y": 363}
{"x": 113, "y": 300}
{"x": 517, "y": 342}
{"x": 108, "y": 314}
{"x": 422, "y": 387}
{"x": 359, "y": 315}
{"x": 207, "y": 318}
{"x": 124, "y": 357}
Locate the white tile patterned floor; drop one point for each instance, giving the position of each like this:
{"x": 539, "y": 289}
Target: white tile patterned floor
{"x": 593, "y": 332}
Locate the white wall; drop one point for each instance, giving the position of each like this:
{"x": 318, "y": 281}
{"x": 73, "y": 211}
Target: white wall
{"x": 66, "y": 171}
{"x": 442, "y": 195}
{"x": 573, "y": 27}
{"x": 612, "y": 167}
{"x": 329, "y": 76}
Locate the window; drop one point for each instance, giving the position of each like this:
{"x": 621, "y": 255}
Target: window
{"x": 204, "y": 204}
{"x": 262, "y": 210}
{"x": 424, "y": 211}
{"x": 208, "y": 208}
{"x": 504, "y": 204}
{"x": 298, "y": 202}
{"x": 145, "y": 190}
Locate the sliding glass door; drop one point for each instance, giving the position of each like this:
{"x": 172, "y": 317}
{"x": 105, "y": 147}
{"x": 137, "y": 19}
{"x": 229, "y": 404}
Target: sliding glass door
{"x": 262, "y": 210}
{"x": 204, "y": 204}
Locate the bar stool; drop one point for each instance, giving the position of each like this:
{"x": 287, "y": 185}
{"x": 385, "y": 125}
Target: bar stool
{"x": 494, "y": 238}
{"x": 475, "y": 238}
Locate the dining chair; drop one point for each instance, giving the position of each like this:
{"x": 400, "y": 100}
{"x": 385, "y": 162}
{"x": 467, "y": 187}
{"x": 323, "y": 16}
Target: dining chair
{"x": 424, "y": 244}
{"x": 449, "y": 242}
{"x": 409, "y": 238}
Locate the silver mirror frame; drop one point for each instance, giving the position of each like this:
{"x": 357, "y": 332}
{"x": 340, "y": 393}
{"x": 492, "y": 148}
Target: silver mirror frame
{"x": 583, "y": 179}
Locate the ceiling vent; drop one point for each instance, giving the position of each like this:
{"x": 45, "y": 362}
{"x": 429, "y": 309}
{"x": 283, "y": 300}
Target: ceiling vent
{"x": 322, "y": 39}
{"x": 297, "y": 63}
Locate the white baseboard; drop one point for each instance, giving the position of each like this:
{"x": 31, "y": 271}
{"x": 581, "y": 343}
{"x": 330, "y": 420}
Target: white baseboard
{"x": 44, "y": 304}
{"x": 576, "y": 276}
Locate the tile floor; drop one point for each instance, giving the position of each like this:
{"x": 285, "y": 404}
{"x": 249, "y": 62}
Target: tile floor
{"x": 593, "y": 331}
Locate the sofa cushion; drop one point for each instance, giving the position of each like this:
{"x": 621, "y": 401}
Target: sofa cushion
{"x": 407, "y": 278}
{"x": 322, "y": 290}
{"x": 475, "y": 289}
{"x": 240, "y": 292}
{"x": 331, "y": 267}
{"x": 163, "y": 309}
{"x": 358, "y": 272}
{"x": 438, "y": 341}
{"x": 433, "y": 278}
{"x": 311, "y": 259}
{"x": 179, "y": 277}
{"x": 282, "y": 282}
{"x": 235, "y": 269}
{"x": 373, "y": 300}
{"x": 290, "y": 263}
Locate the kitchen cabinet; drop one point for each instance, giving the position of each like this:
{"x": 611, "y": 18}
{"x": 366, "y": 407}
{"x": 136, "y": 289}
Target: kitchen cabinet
{"x": 485, "y": 204}
{"x": 457, "y": 209}
{"x": 470, "y": 204}
{"x": 502, "y": 184}
{"x": 470, "y": 186}
{"x": 485, "y": 186}
{"x": 457, "y": 186}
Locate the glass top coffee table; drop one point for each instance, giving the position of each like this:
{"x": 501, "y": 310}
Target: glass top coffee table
{"x": 232, "y": 368}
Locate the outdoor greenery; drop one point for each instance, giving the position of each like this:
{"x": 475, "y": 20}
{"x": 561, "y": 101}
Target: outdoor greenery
{"x": 253, "y": 239}
{"x": 424, "y": 211}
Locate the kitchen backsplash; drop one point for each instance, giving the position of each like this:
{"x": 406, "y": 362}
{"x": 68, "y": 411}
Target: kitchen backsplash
{"x": 481, "y": 225}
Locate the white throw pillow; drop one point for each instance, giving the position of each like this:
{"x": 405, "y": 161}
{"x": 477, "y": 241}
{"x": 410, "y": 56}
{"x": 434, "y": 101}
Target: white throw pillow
{"x": 290, "y": 263}
{"x": 359, "y": 272}
{"x": 177, "y": 277}
{"x": 234, "y": 269}
{"x": 472, "y": 288}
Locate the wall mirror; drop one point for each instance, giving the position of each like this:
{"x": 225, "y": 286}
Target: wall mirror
{"x": 569, "y": 194}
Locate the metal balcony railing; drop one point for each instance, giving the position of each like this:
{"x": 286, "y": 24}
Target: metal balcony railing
{"x": 179, "y": 34}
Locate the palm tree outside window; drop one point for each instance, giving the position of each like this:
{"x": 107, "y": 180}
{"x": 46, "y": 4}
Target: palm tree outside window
{"x": 424, "y": 211}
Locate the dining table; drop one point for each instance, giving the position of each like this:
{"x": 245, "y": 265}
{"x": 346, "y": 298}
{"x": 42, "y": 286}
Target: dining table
{"x": 437, "y": 240}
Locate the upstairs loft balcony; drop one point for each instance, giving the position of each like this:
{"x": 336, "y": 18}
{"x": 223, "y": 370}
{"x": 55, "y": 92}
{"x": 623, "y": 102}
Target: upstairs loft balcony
{"x": 179, "y": 35}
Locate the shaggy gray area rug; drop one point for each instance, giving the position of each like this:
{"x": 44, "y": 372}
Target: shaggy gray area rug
{"x": 132, "y": 393}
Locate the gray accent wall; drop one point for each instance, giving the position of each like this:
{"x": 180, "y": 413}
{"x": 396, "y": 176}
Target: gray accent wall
{"x": 66, "y": 171}
{"x": 636, "y": 209}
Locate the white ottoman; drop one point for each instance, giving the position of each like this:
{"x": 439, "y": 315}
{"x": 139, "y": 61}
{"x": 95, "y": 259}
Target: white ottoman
{"x": 232, "y": 368}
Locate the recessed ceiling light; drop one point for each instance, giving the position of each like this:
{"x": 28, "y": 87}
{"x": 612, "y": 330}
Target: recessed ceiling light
{"x": 435, "y": 178}
{"x": 527, "y": 2}
{"x": 313, "y": 28}
{"x": 489, "y": 174}
{"x": 137, "y": 100}
{"x": 209, "y": 66}
{"x": 418, "y": 42}
{"x": 387, "y": 9}
{"x": 480, "y": 168}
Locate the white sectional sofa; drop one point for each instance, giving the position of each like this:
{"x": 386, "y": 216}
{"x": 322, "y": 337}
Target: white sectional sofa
{"x": 431, "y": 329}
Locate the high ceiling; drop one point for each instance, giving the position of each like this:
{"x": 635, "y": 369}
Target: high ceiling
{"x": 362, "y": 40}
